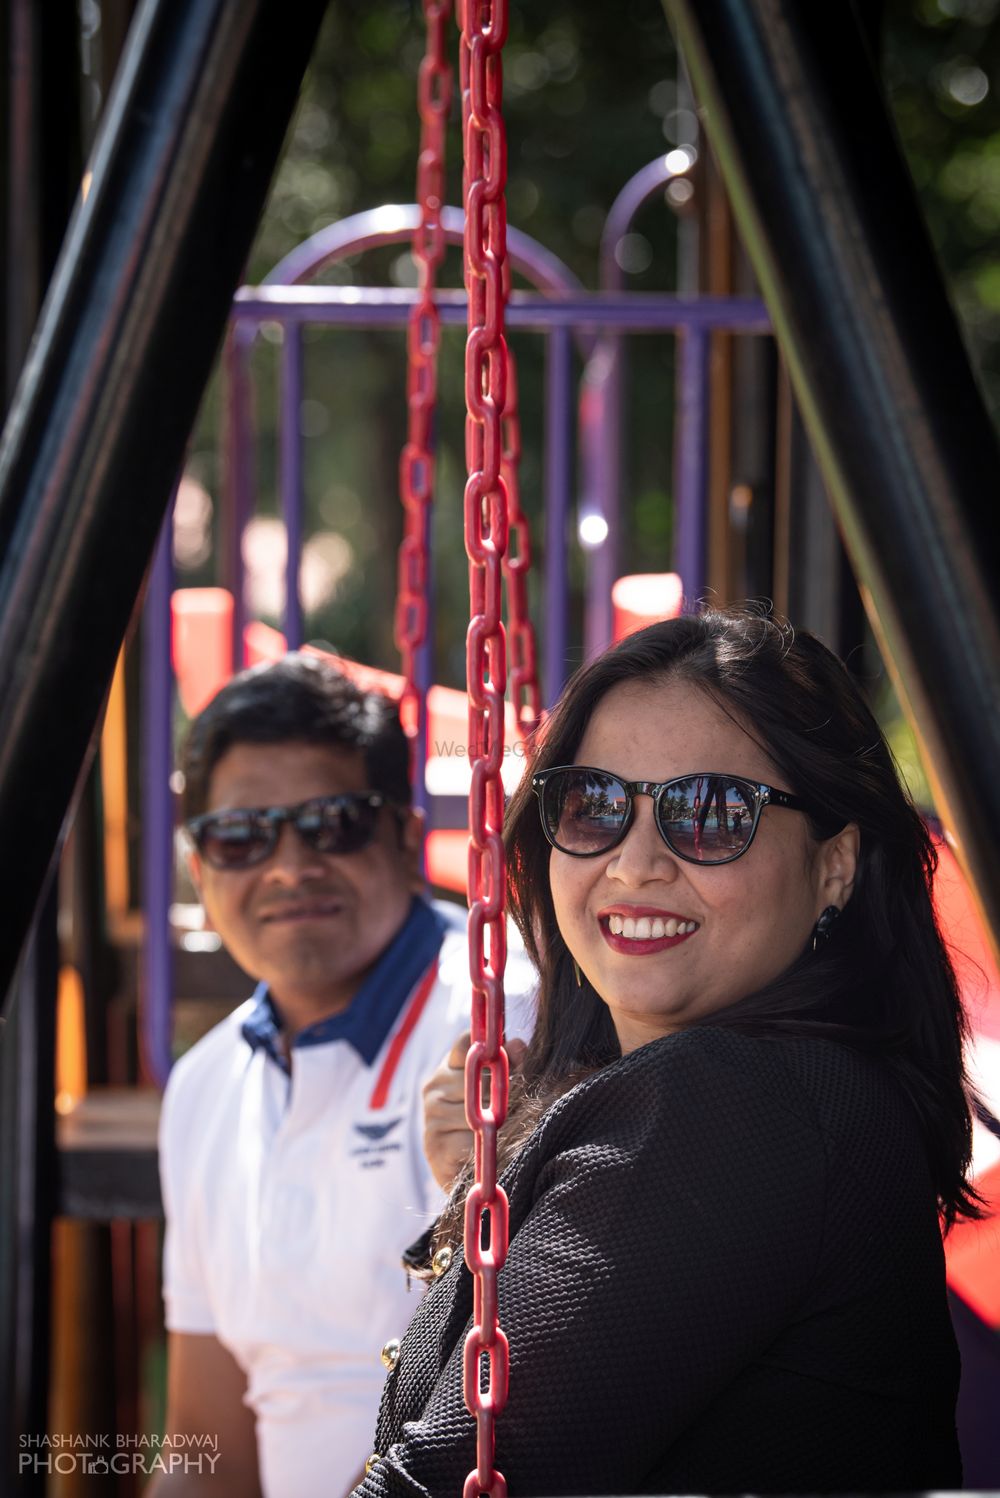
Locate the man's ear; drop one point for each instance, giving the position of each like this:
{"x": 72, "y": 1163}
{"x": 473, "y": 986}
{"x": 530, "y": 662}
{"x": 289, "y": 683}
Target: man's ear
{"x": 839, "y": 866}
{"x": 411, "y": 842}
{"x": 194, "y": 869}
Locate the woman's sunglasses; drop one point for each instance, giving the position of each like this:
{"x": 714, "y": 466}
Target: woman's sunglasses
{"x": 246, "y": 836}
{"x": 707, "y": 818}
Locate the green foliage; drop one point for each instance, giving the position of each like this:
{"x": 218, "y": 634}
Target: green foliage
{"x": 906, "y": 752}
{"x": 585, "y": 92}
{"x": 942, "y": 75}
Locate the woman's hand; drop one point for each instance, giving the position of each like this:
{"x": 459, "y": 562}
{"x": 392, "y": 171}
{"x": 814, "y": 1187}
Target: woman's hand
{"x": 447, "y": 1136}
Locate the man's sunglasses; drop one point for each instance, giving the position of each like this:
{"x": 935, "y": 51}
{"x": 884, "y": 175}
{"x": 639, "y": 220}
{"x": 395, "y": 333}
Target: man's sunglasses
{"x": 246, "y": 836}
{"x": 707, "y": 818}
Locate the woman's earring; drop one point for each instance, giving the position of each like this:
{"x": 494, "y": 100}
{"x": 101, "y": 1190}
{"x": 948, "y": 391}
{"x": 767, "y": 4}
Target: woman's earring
{"x": 576, "y": 969}
{"x": 823, "y": 927}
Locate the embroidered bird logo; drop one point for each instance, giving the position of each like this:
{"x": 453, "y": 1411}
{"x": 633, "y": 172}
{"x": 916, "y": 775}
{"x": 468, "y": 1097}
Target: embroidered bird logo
{"x": 375, "y": 1132}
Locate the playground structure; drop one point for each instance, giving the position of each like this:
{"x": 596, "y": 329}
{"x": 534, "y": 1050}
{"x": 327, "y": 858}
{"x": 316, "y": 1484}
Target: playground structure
{"x": 559, "y": 311}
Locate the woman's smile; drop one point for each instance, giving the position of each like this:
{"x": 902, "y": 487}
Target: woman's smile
{"x": 638, "y": 930}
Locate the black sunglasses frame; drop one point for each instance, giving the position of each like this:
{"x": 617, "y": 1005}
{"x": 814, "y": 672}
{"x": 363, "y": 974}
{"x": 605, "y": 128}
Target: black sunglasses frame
{"x": 761, "y": 795}
{"x": 272, "y": 817}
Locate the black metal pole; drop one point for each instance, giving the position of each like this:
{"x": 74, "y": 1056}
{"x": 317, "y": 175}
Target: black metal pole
{"x": 829, "y": 216}
{"x": 40, "y": 167}
{"x": 27, "y": 1202}
{"x": 96, "y": 432}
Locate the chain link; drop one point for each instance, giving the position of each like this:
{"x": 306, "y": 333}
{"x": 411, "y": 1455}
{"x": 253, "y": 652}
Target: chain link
{"x": 416, "y": 468}
{"x": 525, "y": 692}
{"x": 484, "y": 30}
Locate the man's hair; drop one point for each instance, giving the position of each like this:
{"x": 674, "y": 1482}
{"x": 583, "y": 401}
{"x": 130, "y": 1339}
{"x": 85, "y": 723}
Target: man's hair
{"x": 302, "y": 700}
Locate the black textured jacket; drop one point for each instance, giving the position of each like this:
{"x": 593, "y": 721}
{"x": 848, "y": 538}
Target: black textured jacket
{"x": 725, "y": 1275}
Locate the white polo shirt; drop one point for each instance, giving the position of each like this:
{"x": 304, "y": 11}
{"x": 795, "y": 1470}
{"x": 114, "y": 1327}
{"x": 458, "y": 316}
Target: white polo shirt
{"x": 290, "y": 1198}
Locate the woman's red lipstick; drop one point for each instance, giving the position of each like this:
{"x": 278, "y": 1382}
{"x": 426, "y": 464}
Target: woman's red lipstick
{"x": 641, "y": 946}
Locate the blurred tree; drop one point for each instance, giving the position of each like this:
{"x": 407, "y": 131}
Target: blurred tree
{"x": 941, "y": 69}
{"x": 942, "y": 76}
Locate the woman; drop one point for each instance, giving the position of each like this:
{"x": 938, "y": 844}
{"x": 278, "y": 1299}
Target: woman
{"x": 741, "y": 1114}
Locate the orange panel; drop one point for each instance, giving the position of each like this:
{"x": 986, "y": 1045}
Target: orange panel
{"x": 202, "y": 644}
{"x": 262, "y": 643}
{"x": 447, "y": 853}
{"x": 972, "y": 1253}
{"x": 203, "y": 663}
{"x": 644, "y": 598}
{"x": 970, "y": 951}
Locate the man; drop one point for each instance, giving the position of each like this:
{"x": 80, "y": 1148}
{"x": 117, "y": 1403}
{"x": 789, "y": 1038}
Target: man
{"x": 291, "y": 1161}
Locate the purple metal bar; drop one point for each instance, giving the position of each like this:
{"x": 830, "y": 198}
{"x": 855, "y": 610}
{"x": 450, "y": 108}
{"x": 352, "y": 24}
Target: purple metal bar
{"x": 387, "y": 307}
{"x": 637, "y": 191}
{"x": 396, "y": 223}
{"x": 423, "y": 672}
{"x": 558, "y": 498}
{"x": 691, "y": 457}
{"x": 600, "y": 501}
{"x": 600, "y": 498}
{"x": 238, "y": 480}
{"x": 302, "y": 304}
{"x": 290, "y": 438}
{"x": 299, "y": 305}
{"x": 157, "y": 811}
{"x": 600, "y": 430}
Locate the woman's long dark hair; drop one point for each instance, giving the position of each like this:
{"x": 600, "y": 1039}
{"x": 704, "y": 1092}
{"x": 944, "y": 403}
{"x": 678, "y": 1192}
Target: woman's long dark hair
{"x": 884, "y": 981}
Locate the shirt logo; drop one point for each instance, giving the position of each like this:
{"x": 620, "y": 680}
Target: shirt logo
{"x": 375, "y": 1132}
{"x": 371, "y": 1155}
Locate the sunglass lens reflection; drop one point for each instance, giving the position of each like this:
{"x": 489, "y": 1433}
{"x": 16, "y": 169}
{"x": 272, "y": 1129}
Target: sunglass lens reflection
{"x": 704, "y": 818}
{"x": 236, "y": 840}
{"x": 707, "y": 818}
{"x": 584, "y": 812}
{"x": 341, "y": 826}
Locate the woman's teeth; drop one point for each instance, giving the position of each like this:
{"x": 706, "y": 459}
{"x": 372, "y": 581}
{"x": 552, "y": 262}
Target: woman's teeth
{"x": 647, "y": 929}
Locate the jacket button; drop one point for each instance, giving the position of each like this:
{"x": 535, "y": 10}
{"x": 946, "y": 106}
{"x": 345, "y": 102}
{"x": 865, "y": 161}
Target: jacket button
{"x": 441, "y": 1261}
{"x": 371, "y": 1462}
{"x": 390, "y": 1353}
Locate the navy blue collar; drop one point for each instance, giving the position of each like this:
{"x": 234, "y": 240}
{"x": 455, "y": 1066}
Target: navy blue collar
{"x": 373, "y": 1011}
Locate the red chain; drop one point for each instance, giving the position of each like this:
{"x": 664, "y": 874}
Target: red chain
{"x": 484, "y": 30}
{"x": 525, "y": 692}
{"x": 416, "y": 468}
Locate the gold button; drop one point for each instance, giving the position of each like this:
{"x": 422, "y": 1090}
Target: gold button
{"x": 441, "y": 1261}
{"x": 370, "y": 1463}
{"x": 390, "y": 1353}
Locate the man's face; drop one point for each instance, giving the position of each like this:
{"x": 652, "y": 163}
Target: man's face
{"x": 311, "y": 925}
